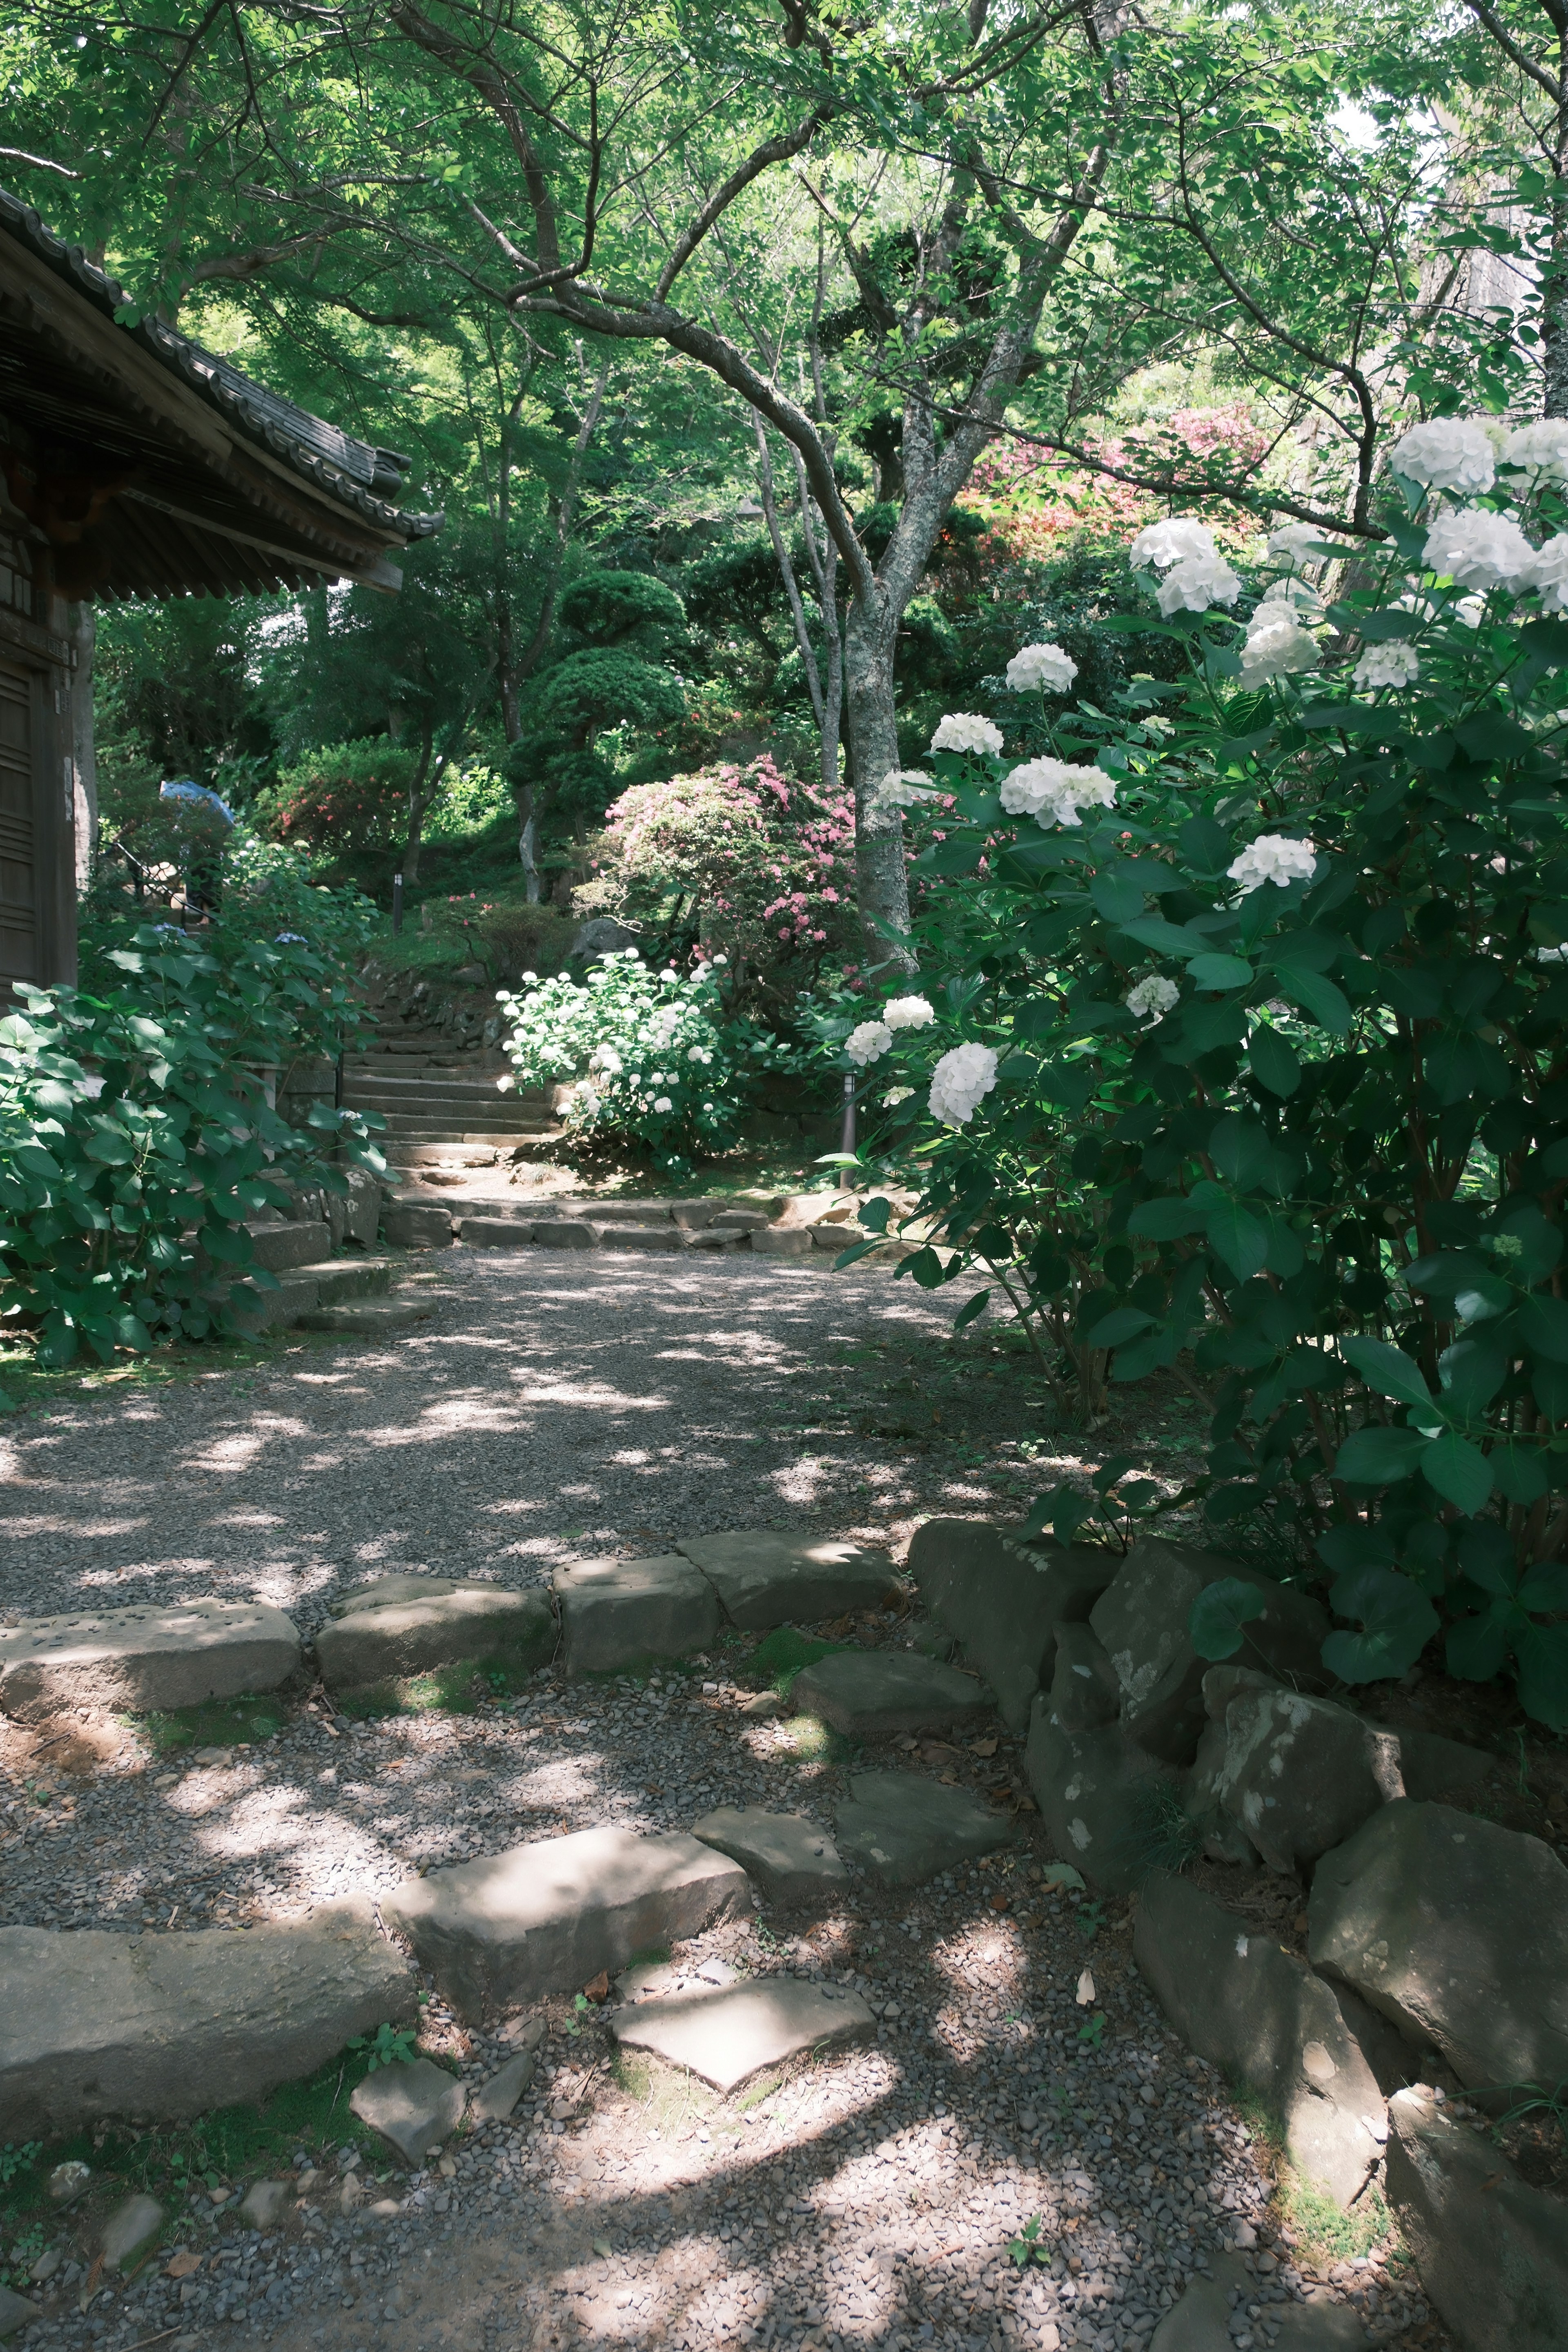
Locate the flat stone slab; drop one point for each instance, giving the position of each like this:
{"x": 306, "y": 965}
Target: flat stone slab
{"x": 496, "y": 1233}
{"x": 762, "y": 1579}
{"x": 390, "y": 1591}
{"x": 1491, "y": 2249}
{"x": 495, "y": 2101}
{"x": 905, "y": 1829}
{"x": 413, "y": 2104}
{"x": 382, "y": 1642}
{"x": 727, "y": 2036}
{"x": 564, "y": 1233}
{"x": 129, "y": 2229}
{"x": 98, "y": 2024}
{"x": 871, "y": 1694}
{"x": 417, "y": 1224}
{"x": 791, "y": 1860}
{"x": 552, "y": 1916}
{"x": 369, "y": 1319}
{"x": 144, "y": 1658}
{"x": 614, "y": 1611}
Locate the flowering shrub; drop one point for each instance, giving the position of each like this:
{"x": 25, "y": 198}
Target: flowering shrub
{"x": 345, "y": 796}
{"x": 649, "y": 1059}
{"x": 1261, "y": 1073}
{"x": 136, "y": 1133}
{"x": 742, "y": 861}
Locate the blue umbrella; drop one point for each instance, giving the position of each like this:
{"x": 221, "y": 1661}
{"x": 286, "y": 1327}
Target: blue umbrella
{"x": 184, "y": 789}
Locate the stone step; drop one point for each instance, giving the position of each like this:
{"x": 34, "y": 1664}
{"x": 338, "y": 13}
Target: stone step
{"x": 616, "y": 1610}
{"x": 369, "y": 1319}
{"x": 443, "y": 1155}
{"x": 474, "y": 1106}
{"x": 788, "y": 1858}
{"x": 144, "y": 1658}
{"x": 904, "y": 1830}
{"x": 550, "y": 1917}
{"x": 727, "y": 2035}
{"x": 100, "y": 2024}
{"x": 303, "y": 1288}
{"x": 376, "y": 1639}
{"x": 762, "y": 1579}
{"x": 276, "y": 1248}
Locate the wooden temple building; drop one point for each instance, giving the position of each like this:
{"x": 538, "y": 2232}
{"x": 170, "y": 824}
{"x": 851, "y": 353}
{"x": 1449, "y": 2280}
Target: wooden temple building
{"x": 132, "y": 463}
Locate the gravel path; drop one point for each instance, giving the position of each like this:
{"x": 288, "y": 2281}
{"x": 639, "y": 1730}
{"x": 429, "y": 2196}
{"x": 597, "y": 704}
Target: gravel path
{"x": 549, "y": 1412}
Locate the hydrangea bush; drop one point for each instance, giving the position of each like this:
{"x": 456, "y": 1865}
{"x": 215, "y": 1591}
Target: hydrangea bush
{"x": 1251, "y": 1059}
{"x": 138, "y": 1131}
{"x": 647, "y": 1060}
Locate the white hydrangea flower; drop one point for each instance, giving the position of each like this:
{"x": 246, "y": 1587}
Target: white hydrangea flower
{"x": 1294, "y": 540}
{"x": 866, "y": 1041}
{"x": 896, "y": 1095}
{"x": 1273, "y": 857}
{"x": 1396, "y": 664}
{"x": 903, "y": 787}
{"x": 696, "y": 1054}
{"x": 1549, "y": 573}
{"x": 1542, "y": 448}
{"x": 1152, "y": 997}
{"x": 663, "y": 1104}
{"x": 1196, "y": 583}
{"x": 1277, "y": 646}
{"x": 1471, "y": 611}
{"x": 605, "y": 1058}
{"x": 721, "y": 960}
{"x": 959, "y": 1082}
{"x": 1448, "y": 454}
{"x": 909, "y": 1013}
{"x": 961, "y": 731}
{"x": 1479, "y": 550}
{"x": 1294, "y": 594}
{"x": 1043, "y": 666}
{"x": 1055, "y": 791}
{"x": 1174, "y": 541}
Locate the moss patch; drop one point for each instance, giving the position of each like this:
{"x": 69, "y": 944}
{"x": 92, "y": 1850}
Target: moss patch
{"x": 785, "y": 1652}
{"x": 217, "y": 1723}
{"x": 460, "y": 1689}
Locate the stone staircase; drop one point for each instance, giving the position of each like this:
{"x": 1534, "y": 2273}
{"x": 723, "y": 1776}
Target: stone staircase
{"x": 443, "y": 1108}
{"x": 315, "y": 1288}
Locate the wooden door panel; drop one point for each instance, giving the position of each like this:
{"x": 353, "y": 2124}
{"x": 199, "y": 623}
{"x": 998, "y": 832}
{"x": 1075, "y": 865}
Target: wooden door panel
{"x": 18, "y": 878}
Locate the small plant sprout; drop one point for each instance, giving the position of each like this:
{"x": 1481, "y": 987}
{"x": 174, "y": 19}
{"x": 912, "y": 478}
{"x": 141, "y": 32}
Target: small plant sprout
{"x": 390, "y": 2045}
{"x": 1028, "y": 2246}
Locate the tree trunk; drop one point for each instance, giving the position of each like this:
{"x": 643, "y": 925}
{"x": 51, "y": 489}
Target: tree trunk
{"x": 882, "y": 884}
{"x": 84, "y": 636}
{"x": 418, "y": 801}
{"x": 1554, "y": 276}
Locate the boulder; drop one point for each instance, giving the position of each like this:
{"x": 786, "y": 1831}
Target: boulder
{"x": 763, "y": 1580}
{"x": 1301, "y": 1775}
{"x": 874, "y": 1694}
{"x": 1492, "y": 2251}
{"x": 789, "y": 1859}
{"x": 615, "y": 1611}
{"x": 1457, "y": 1930}
{"x": 495, "y": 2101}
{"x": 130, "y": 2230}
{"x": 415, "y": 1225}
{"x": 552, "y": 1916}
{"x": 1200, "y": 2320}
{"x": 413, "y": 2104}
{"x": 904, "y": 1830}
{"x": 382, "y": 1641}
{"x": 1270, "y": 2024}
{"x": 1437, "y": 1771}
{"x": 564, "y": 1233}
{"x": 144, "y": 1658}
{"x": 1084, "y": 1691}
{"x": 1317, "y": 2327}
{"x": 727, "y": 2036}
{"x": 263, "y": 2201}
{"x": 98, "y": 2024}
{"x": 1002, "y": 1600}
{"x": 1222, "y": 1838}
{"x": 785, "y": 1241}
{"x": 495, "y": 1233}
{"x": 1141, "y": 1618}
{"x": 1100, "y": 1797}
{"x": 16, "y": 2312}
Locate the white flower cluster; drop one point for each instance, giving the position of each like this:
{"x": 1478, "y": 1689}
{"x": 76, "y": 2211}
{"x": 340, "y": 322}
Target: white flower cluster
{"x": 961, "y": 731}
{"x": 1197, "y": 584}
{"x": 909, "y": 1013}
{"x": 1054, "y": 792}
{"x": 1178, "y": 539}
{"x": 1294, "y": 542}
{"x": 1276, "y": 644}
{"x": 1273, "y": 857}
{"x": 1396, "y": 664}
{"x": 904, "y": 786}
{"x": 1479, "y": 549}
{"x": 1046, "y": 667}
{"x": 1151, "y": 998}
{"x": 1540, "y": 449}
{"x": 1549, "y": 574}
{"x": 866, "y": 1041}
{"x": 1447, "y": 454}
{"x": 959, "y": 1082}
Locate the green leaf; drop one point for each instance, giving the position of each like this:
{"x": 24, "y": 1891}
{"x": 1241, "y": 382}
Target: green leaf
{"x": 1238, "y": 1238}
{"x": 1387, "y": 1369}
{"x": 852, "y": 1255}
{"x": 1477, "y": 1648}
{"x": 1166, "y": 938}
{"x": 1121, "y": 1323}
{"x": 1167, "y": 1220}
{"x": 1543, "y": 1326}
{"x": 1459, "y": 1471}
{"x": 1327, "y": 1005}
{"x": 1118, "y": 893}
{"x": 1541, "y": 1657}
{"x": 1205, "y": 845}
{"x": 1396, "y": 1621}
{"x": 1375, "y": 1456}
{"x": 1216, "y": 1620}
{"x": 1275, "y": 1064}
{"x": 926, "y": 1268}
{"x": 976, "y": 1306}
{"x": 1519, "y": 1471}
{"x": 1220, "y": 971}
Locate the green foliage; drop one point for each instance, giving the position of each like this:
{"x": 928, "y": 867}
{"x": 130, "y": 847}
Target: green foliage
{"x": 17, "y": 2157}
{"x": 1029, "y": 2246}
{"x": 785, "y": 1652}
{"x": 652, "y": 1060}
{"x": 343, "y": 796}
{"x": 216, "y": 1723}
{"x": 1261, "y": 1050}
{"x": 136, "y": 1137}
{"x": 390, "y": 2045}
